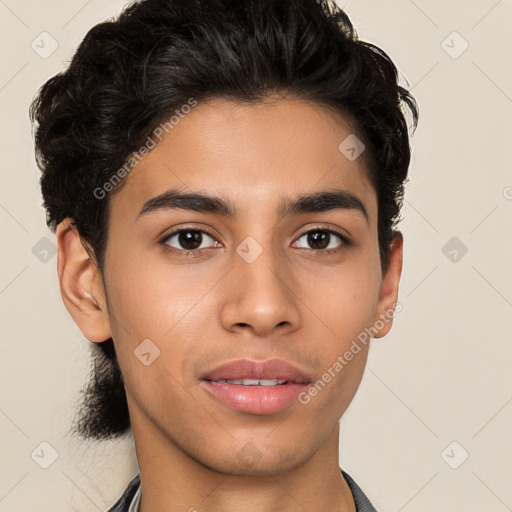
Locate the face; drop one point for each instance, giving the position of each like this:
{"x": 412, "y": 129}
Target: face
{"x": 203, "y": 288}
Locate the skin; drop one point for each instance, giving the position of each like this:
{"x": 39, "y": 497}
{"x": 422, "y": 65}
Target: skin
{"x": 211, "y": 306}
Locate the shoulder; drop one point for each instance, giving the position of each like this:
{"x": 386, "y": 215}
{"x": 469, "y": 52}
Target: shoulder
{"x": 124, "y": 502}
{"x": 363, "y": 504}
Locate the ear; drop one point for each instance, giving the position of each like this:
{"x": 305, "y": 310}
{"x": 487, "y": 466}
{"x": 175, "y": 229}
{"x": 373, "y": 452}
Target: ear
{"x": 389, "y": 289}
{"x": 81, "y": 284}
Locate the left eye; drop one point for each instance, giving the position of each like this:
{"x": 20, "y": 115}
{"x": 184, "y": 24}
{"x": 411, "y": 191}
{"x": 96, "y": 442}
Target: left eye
{"x": 321, "y": 239}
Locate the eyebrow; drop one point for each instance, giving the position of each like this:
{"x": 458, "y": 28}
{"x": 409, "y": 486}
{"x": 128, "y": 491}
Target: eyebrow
{"x": 322, "y": 201}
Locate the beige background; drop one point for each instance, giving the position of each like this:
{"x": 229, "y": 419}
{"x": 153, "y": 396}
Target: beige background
{"x": 443, "y": 373}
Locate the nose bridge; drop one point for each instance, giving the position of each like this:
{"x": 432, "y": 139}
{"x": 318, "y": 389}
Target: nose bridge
{"x": 260, "y": 267}
{"x": 259, "y": 288}
{"x": 259, "y": 264}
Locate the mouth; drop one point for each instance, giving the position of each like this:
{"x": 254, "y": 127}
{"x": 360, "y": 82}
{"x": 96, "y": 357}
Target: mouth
{"x": 253, "y": 382}
{"x": 256, "y": 387}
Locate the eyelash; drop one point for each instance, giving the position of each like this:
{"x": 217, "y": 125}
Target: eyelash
{"x": 321, "y": 252}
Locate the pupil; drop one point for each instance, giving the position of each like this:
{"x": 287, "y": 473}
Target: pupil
{"x": 190, "y": 240}
{"x": 318, "y": 236}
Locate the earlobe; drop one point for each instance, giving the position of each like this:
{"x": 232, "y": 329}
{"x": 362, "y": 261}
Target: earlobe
{"x": 81, "y": 284}
{"x": 389, "y": 288}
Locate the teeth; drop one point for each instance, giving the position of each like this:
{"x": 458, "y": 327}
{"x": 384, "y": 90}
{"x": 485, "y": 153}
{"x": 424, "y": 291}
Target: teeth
{"x": 253, "y": 382}
{"x": 270, "y": 382}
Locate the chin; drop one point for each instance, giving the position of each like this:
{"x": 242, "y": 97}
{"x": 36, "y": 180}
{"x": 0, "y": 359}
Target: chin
{"x": 253, "y": 461}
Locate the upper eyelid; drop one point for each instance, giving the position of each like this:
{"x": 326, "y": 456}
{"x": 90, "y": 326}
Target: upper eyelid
{"x": 189, "y": 228}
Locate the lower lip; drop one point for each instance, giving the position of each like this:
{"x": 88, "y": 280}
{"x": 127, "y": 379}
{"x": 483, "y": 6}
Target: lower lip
{"x": 255, "y": 399}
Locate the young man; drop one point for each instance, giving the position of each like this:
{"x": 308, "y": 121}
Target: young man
{"x": 224, "y": 178}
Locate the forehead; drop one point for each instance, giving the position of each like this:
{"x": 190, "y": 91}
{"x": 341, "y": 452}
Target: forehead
{"x": 254, "y": 154}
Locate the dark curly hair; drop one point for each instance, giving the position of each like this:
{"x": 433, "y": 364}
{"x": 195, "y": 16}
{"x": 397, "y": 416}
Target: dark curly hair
{"x": 130, "y": 73}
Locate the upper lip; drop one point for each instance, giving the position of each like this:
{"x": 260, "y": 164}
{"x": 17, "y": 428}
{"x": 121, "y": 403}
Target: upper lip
{"x": 252, "y": 369}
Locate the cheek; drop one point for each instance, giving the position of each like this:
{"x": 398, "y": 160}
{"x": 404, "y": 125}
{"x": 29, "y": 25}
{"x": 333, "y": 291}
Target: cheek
{"x": 152, "y": 312}
{"x": 151, "y": 298}
{"x": 343, "y": 297}
{"x": 344, "y": 310}
{"x": 166, "y": 306}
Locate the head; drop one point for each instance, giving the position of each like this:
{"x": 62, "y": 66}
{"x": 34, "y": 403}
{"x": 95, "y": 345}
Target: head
{"x": 253, "y": 102}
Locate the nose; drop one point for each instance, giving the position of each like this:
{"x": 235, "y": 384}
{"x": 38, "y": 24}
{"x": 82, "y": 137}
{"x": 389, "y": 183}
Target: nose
{"x": 260, "y": 296}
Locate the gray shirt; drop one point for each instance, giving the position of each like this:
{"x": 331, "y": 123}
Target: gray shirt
{"x": 130, "y": 500}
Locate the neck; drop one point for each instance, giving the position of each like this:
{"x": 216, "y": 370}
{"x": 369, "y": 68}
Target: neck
{"x": 173, "y": 480}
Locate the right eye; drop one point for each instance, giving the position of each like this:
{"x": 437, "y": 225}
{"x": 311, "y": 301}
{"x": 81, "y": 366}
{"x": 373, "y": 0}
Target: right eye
{"x": 187, "y": 240}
